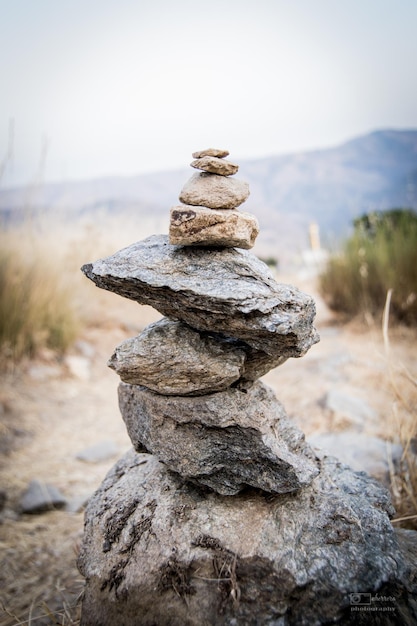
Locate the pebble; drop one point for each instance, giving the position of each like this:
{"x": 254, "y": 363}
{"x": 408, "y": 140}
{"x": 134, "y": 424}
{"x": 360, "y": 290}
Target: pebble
{"x": 352, "y": 408}
{"x": 40, "y": 497}
{"x": 102, "y": 451}
{"x": 215, "y": 152}
{"x": 215, "y": 166}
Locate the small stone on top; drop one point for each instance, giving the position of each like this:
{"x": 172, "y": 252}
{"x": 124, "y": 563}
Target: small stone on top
{"x": 215, "y": 152}
{"x": 215, "y": 165}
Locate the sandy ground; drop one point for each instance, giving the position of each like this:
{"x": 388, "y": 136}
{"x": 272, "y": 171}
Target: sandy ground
{"x": 50, "y": 413}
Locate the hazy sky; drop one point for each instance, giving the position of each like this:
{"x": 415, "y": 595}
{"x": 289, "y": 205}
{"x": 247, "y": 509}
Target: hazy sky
{"x": 100, "y": 87}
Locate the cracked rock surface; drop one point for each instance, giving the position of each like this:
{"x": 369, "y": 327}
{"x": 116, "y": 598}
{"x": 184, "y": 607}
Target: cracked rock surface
{"x": 173, "y": 359}
{"x": 227, "y": 291}
{"x": 212, "y": 227}
{"x": 159, "y": 551}
{"x": 226, "y": 441}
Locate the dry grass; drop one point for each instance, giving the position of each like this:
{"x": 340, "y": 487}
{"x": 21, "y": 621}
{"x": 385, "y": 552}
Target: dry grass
{"x": 38, "y": 581}
{"x": 402, "y": 428}
{"x": 36, "y": 306}
{"x": 373, "y": 261}
{"x": 45, "y": 300}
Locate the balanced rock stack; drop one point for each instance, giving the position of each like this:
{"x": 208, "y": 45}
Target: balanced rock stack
{"x": 222, "y": 513}
{"x": 209, "y": 215}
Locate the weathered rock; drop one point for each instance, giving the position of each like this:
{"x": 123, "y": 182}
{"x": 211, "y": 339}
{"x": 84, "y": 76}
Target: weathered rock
{"x": 158, "y": 551}
{"x": 226, "y": 290}
{"x": 347, "y": 407}
{"x": 173, "y": 359}
{"x": 226, "y": 441}
{"x": 194, "y": 362}
{"x": 258, "y": 364}
{"x": 214, "y": 165}
{"x": 212, "y": 227}
{"x": 214, "y": 191}
{"x": 215, "y": 152}
{"x": 40, "y": 497}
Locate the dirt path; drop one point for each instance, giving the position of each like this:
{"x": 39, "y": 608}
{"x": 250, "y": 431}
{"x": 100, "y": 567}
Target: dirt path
{"x": 51, "y": 411}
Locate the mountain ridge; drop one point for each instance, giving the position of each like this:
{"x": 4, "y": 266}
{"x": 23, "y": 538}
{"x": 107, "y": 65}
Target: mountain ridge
{"x": 329, "y": 186}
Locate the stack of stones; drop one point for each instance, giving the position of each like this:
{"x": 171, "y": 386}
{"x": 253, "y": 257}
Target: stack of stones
{"x": 209, "y": 215}
{"x": 188, "y": 395}
{"x": 222, "y": 513}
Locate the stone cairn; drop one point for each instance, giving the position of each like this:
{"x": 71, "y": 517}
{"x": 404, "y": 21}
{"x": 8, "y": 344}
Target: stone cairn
{"x": 222, "y": 513}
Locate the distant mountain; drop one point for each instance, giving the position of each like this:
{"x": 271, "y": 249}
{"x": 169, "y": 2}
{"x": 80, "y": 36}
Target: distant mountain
{"x": 288, "y": 192}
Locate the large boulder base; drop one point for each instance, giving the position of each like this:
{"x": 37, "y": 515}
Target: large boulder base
{"x": 227, "y": 440}
{"x": 157, "y": 550}
{"x": 226, "y": 291}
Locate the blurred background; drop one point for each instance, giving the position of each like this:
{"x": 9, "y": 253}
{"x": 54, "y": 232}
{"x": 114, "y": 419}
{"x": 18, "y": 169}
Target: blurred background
{"x": 102, "y": 104}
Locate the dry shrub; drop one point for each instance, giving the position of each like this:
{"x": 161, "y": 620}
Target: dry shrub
{"x": 36, "y": 308}
{"x": 380, "y": 255}
{"x": 38, "y": 581}
{"x": 44, "y": 298}
{"x": 402, "y": 428}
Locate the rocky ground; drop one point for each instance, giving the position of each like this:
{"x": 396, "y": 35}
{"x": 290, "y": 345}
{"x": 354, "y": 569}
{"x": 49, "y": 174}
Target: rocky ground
{"x": 351, "y": 384}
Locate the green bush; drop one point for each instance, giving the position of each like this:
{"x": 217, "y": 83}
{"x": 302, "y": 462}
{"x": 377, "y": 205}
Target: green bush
{"x": 380, "y": 255}
{"x": 35, "y": 304}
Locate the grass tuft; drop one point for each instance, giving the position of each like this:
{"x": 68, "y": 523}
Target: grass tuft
{"x": 403, "y": 430}
{"x": 380, "y": 256}
{"x": 36, "y": 304}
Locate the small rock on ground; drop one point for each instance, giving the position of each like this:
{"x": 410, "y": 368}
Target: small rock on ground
{"x": 40, "y": 497}
{"x": 361, "y": 452}
{"x": 101, "y": 451}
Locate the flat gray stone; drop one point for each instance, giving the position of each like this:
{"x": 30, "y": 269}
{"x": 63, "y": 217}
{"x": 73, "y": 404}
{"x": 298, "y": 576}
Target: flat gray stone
{"x": 214, "y": 165}
{"x": 361, "y": 452}
{"x": 214, "y": 191}
{"x": 228, "y": 291}
{"x": 352, "y": 408}
{"x": 101, "y": 451}
{"x": 227, "y": 440}
{"x": 191, "y": 226}
{"x": 215, "y": 152}
{"x": 40, "y": 497}
{"x": 158, "y": 551}
{"x": 173, "y": 359}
